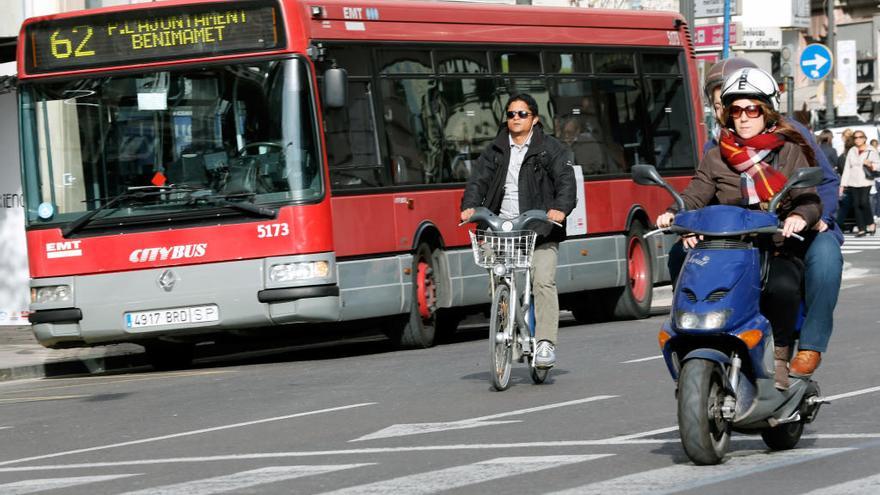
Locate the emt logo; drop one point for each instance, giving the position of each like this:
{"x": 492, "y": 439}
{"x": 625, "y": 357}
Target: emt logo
{"x": 64, "y": 249}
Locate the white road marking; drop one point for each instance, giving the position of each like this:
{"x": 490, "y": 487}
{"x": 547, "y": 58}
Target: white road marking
{"x": 418, "y": 428}
{"x": 18, "y": 400}
{"x": 854, "y": 393}
{"x": 684, "y": 477}
{"x": 850, "y": 251}
{"x": 643, "y": 434}
{"x": 185, "y": 433}
{"x": 242, "y": 480}
{"x": 461, "y": 476}
{"x": 642, "y": 359}
{"x": 863, "y": 486}
{"x": 34, "y": 486}
{"x": 418, "y": 448}
{"x": 850, "y": 286}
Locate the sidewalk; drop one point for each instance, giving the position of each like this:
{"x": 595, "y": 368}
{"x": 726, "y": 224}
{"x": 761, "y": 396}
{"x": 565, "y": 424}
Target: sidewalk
{"x": 22, "y": 357}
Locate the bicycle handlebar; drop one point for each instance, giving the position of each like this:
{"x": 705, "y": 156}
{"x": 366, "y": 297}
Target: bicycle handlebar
{"x": 499, "y": 224}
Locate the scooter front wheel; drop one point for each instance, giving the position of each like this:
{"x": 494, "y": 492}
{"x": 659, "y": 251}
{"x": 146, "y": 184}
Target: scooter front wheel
{"x": 705, "y": 434}
{"x": 501, "y": 338}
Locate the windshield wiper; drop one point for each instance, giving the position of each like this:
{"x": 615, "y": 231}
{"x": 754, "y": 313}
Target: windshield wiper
{"x": 223, "y": 200}
{"x": 135, "y": 192}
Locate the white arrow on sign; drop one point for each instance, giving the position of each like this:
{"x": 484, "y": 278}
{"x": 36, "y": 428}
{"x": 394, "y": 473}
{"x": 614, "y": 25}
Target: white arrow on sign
{"x": 819, "y": 61}
{"x": 418, "y": 428}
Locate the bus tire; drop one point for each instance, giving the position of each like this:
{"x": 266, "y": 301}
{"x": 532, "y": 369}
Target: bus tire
{"x": 633, "y": 300}
{"x": 168, "y": 356}
{"x": 420, "y": 326}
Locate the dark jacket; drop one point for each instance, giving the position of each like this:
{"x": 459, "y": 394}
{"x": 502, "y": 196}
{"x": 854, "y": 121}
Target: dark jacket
{"x": 717, "y": 183}
{"x": 828, "y": 190}
{"x": 546, "y": 179}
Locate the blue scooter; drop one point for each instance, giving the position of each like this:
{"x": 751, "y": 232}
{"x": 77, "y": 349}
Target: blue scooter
{"x": 716, "y": 343}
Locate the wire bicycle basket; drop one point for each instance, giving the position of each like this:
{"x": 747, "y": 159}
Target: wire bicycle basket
{"x": 512, "y": 249}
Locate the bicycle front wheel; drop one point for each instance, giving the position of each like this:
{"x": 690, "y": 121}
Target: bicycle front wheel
{"x": 501, "y": 338}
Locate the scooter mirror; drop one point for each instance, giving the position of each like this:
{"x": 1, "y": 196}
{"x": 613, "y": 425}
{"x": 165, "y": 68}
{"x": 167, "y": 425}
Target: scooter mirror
{"x": 806, "y": 177}
{"x": 646, "y": 175}
{"x": 802, "y": 177}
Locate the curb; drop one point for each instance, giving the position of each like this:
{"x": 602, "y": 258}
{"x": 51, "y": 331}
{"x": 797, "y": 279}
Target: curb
{"x": 74, "y": 366}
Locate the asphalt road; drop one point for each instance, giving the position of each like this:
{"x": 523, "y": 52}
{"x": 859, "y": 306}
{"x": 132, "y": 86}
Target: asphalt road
{"x": 356, "y": 418}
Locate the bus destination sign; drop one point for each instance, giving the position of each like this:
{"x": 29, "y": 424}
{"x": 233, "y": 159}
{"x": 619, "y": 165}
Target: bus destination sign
{"x": 156, "y": 34}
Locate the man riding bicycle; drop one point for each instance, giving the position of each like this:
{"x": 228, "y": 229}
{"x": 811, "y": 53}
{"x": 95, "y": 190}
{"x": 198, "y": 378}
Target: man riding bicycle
{"x": 524, "y": 169}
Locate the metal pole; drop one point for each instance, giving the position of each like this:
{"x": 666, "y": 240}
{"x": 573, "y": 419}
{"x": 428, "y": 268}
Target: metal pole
{"x": 686, "y": 8}
{"x": 725, "y": 50}
{"x": 829, "y": 79}
{"x": 789, "y": 90}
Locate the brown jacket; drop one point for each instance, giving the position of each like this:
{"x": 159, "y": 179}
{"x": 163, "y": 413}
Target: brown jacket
{"x": 716, "y": 183}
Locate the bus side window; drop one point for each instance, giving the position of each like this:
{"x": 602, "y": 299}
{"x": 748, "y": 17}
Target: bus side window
{"x": 581, "y": 125}
{"x": 352, "y": 149}
{"x": 669, "y": 120}
{"x": 623, "y": 102}
{"x": 473, "y": 112}
{"x": 405, "y": 130}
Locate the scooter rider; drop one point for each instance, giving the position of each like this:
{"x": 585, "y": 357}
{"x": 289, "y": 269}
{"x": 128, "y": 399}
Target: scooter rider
{"x": 823, "y": 260}
{"x": 525, "y": 169}
{"x": 757, "y": 153}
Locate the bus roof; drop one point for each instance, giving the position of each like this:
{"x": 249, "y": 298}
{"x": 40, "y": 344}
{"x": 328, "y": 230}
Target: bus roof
{"x": 408, "y": 21}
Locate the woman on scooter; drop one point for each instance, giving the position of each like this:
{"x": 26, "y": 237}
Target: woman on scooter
{"x": 757, "y": 153}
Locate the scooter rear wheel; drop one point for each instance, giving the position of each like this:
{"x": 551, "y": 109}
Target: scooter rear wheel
{"x": 501, "y": 338}
{"x": 705, "y": 434}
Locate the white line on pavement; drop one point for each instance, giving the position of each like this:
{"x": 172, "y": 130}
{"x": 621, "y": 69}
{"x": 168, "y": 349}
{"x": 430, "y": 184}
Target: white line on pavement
{"x": 34, "y": 486}
{"x": 418, "y": 448}
{"x": 461, "y": 476}
{"x": 642, "y": 359}
{"x": 863, "y": 486}
{"x": 684, "y": 477}
{"x": 186, "y": 433}
{"x": 404, "y": 429}
{"x": 242, "y": 480}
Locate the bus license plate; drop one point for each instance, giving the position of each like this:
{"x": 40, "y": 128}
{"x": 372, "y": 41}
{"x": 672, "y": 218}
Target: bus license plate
{"x": 172, "y": 316}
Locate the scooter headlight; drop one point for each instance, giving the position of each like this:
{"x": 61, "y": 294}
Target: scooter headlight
{"x": 713, "y": 320}
{"x": 687, "y": 320}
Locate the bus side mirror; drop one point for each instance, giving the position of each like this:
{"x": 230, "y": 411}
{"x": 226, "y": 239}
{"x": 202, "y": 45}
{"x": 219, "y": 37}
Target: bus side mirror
{"x": 335, "y": 88}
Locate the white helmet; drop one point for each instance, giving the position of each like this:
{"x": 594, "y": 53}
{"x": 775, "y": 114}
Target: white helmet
{"x": 751, "y": 83}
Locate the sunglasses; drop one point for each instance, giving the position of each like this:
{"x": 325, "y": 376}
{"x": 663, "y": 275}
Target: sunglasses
{"x": 860, "y": 137}
{"x": 752, "y": 111}
{"x": 522, "y": 114}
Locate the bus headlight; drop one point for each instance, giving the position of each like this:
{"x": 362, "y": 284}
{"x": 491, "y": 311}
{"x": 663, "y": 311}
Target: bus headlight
{"x": 713, "y": 320}
{"x": 51, "y": 294}
{"x": 295, "y": 272}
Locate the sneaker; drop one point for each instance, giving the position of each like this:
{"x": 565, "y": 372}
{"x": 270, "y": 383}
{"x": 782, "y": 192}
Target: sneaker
{"x": 545, "y": 355}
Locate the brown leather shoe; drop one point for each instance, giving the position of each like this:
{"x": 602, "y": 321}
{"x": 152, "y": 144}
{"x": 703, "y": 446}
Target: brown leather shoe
{"x": 781, "y": 356}
{"x": 805, "y": 363}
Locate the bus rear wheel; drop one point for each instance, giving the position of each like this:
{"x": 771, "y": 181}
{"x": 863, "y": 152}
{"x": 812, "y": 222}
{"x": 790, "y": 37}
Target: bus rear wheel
{"x": 420, "y": 326}
{"x": 633, "y": 300}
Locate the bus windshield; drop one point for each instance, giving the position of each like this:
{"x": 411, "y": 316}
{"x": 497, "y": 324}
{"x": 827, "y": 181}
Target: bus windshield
{"x": 244, "y": 131}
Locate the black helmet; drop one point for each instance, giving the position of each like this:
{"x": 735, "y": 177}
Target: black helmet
{"x": 719, "y": 72}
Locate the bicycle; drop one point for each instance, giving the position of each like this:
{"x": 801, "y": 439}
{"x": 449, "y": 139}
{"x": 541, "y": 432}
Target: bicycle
{"x": 505, "y": 248}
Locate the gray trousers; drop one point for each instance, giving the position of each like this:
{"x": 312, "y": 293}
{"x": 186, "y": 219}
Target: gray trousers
{"x": 543, "y": 274}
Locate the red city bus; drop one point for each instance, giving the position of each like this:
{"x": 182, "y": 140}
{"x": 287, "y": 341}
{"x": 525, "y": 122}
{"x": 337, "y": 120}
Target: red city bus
{"x": 197, "y": 167}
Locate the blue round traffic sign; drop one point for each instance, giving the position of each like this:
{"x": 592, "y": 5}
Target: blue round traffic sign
{"x": 816, "y": 61}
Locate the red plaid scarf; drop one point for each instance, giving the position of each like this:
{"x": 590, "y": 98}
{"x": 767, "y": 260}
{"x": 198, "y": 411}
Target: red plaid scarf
{"x": 760, "y": 181}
